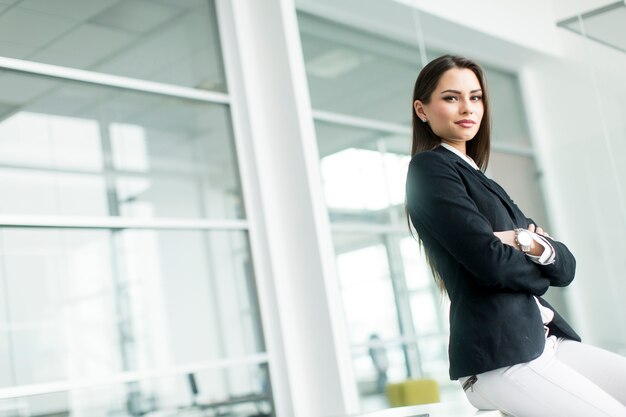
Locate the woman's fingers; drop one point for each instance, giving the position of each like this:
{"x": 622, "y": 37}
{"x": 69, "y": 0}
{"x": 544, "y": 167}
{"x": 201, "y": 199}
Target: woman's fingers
{"x": 539, "y": 231}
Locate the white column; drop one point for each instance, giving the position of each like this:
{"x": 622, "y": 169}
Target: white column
{"x": 290, "y": 235}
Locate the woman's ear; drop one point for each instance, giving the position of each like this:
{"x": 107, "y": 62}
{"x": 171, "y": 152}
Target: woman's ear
{"x": 418, "y": 107}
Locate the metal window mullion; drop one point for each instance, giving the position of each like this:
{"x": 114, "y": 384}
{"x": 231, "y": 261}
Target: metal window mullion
{"x": 129, "y": 377}
{"x": 592, "y": 13}
{"x": 109, "y": 80}
{"x": 188, "y": 173}
{"x": 412, "y": 363}
{"x": 75, "y": 222}
{"x": 121, "y": 297}
{"x": 395, "y": 128}
{"x": 515, "y": 150}
{"x": 367, "y": 228}
{"x": 360, "y": 122}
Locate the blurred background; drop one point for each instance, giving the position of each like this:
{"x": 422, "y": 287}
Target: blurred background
{"x": 202, "y": 201}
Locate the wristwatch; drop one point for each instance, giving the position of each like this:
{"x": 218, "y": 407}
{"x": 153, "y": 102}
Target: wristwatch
{"x": 524, "y": 239}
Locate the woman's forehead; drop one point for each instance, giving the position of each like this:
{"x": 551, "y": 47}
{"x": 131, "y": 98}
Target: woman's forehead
{"x": 459, "y": 79}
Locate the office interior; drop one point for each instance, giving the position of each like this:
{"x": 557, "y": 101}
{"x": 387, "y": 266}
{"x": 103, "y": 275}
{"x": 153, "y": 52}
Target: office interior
{"x": 202, "y": 201}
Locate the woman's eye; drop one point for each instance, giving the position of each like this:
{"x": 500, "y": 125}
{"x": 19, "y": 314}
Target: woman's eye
{"x": 454, "y": 98}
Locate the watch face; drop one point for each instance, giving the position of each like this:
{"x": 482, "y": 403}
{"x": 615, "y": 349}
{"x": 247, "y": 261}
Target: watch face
{"x": 524, "y": 238}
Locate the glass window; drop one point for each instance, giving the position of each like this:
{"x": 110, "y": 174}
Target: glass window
{"x": 73, "y": 149}
{"x": 241, "y": 390}
{"x": 385, "y": 318}
{"x": 363, "y": 173}
{"x": 416, "y": 268}
{"x": 86, "y": 306}
{"x": 367, "y": 291}
{"x": 424, "y": 313}
{"x": 519, "y": 176}
{"x": 169, "y": 41}
{"x": 81, "y": 304}
{"x": 356, "y": 73}
{"x": 507, "y": 108}
{"x": 433, "y": 352}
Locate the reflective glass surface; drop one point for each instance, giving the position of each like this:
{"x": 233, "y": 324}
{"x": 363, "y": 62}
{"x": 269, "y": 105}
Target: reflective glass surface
{"x": 519, "y": 176}
{"x": 168, "y": 41}
{"x": 363, "y": 173}
{"x": 71, "y": 149}
{"x": 366, "y": 288}
{"x": 82, "y": 304}
{"x": 357, "y": 73}
{"x": 510, "y": 126}
{"x": 240, "y": 391}
{"x": 395, "y": 315}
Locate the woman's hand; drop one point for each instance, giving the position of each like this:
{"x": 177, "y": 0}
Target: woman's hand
{"x": 538, "y": 230}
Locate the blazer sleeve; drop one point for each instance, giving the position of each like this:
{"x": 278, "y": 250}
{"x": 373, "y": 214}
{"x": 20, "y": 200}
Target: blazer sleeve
{"x": 561, "y": 272}
{"x": 439, "y": 203}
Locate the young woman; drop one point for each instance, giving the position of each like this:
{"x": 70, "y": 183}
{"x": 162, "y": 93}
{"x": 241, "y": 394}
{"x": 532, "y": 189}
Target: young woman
{"x": 510, "y": 350}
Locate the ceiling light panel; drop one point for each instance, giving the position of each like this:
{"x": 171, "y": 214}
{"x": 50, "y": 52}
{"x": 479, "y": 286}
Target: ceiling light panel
{"x": 606, "y": 25}
{"x": 136, "y": 16}
{"x": 78, "y": 10}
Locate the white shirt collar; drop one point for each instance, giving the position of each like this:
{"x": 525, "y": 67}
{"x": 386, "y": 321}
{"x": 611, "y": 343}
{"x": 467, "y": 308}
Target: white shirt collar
{"x": 461, "y": 154}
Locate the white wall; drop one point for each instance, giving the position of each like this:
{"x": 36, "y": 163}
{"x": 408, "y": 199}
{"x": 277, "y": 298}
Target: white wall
{"x": 577, "y": 108}
{"x": 506, "y": 20}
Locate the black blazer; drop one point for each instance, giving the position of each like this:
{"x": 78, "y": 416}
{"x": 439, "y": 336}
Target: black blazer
{"x": 494, "y": 319}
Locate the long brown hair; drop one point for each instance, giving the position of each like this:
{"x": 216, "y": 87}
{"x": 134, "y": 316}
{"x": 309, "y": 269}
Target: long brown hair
{"x": 424, "y": 139}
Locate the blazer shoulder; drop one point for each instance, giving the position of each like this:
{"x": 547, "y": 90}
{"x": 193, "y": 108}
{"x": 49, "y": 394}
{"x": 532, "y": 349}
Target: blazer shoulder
{"x": 430, "y": 158}
{"x": 431, "y": 163}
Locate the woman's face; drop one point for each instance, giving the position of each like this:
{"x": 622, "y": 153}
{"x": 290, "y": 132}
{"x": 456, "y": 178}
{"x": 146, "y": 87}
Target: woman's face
{"x": 456, "y": 107}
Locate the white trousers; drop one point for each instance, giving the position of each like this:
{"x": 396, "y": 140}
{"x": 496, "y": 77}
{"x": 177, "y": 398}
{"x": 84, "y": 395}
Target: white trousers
{"x": 570, "y": 379}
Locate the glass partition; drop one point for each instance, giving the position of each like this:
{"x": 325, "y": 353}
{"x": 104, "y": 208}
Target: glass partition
{"x": 167, "y": 41}
{"x": 363, "y": 172}
{"x": 83, "y": 304}
{"x": 351, "y": 71}
{"x": 127, "y": 285}
{"x": 240, "y": 391}
{"x": 74, "y": 149}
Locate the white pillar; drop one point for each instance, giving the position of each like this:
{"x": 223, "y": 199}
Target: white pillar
{"x": 290, "y": 235}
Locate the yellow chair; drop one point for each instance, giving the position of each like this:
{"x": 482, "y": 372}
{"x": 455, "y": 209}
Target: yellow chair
{"x": 395, "y": 394}
{"x": 413, "y": 392}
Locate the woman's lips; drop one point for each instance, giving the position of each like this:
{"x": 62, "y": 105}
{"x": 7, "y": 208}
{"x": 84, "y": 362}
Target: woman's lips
{"x": 466, "y": 124}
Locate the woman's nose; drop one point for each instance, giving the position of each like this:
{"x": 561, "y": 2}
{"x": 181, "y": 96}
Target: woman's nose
{"x": 467, "y": 107}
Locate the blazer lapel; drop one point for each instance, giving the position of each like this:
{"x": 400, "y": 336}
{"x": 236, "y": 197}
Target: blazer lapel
{"x": 482, "y": 178}
{"x": 505, "y": 200}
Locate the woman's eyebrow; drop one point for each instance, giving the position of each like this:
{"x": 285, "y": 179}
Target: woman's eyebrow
{"x": 458, "y": 92}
